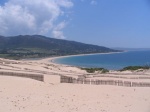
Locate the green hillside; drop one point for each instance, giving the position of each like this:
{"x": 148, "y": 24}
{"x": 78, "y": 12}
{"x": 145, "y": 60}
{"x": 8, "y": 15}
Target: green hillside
{"x": 36, "y": 46}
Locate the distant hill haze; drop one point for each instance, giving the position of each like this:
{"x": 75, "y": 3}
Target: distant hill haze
{"x": 131, "y": 49}
{"x": 28, "y": 46}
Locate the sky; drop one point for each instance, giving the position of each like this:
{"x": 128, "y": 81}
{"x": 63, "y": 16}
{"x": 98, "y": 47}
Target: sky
{"x": 110, "y": 23}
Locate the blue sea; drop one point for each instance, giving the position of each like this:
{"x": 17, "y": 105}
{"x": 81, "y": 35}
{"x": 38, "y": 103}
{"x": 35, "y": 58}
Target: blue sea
{"x": 114, "y": 61}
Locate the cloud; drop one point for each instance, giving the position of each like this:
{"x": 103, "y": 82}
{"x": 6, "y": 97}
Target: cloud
{"x": 93, "y": 2}
{"x": 57, "y": 32}
{"x": 33, "y": 17}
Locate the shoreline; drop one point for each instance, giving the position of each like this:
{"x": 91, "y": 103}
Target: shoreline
{"x": 51, "y": 59}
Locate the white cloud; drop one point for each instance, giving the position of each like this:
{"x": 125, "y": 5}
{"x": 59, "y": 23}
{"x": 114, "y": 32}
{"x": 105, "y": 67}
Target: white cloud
{"x": 57, "y": 32}
{"x": 93, "y": 2}
{"x": 33, "y": 17}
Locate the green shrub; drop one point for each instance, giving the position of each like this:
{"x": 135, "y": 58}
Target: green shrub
{"x": 135, "y": 68}
{"x": 92, "y": 70}
{"x": 105, "y": 71}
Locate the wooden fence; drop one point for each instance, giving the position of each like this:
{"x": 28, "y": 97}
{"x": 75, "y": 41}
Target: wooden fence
{"x": 65, "y": 79}
{"x": 123, "y": 77}
{"x": 32, "y": 76}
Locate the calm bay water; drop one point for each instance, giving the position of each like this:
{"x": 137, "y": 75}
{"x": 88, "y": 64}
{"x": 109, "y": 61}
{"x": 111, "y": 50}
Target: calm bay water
{"x": 113, "y": 61}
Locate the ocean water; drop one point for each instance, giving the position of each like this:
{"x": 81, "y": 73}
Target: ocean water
{"x": 113, "y": 61}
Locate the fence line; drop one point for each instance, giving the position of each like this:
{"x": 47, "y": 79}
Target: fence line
{"x": 32, "y": 76}
{"x": 65, "y": 79}
{"x": 123, "y": 77}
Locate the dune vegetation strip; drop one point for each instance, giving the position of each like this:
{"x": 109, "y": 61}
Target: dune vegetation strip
{"x": 104, "y": 70}
{"x": 93, "y": 70}
{"x": 135, "y": 67}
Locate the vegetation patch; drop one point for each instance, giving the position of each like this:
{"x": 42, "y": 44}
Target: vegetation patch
{"x": 135, "y": 68}
{"x": 93, "y": 70}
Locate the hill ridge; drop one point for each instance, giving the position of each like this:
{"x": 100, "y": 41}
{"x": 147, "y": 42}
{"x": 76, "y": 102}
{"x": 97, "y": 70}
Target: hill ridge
{"x": 24, "y": 46}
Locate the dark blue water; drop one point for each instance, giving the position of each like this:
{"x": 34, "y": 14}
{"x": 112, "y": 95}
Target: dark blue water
{"x": 113, "y": 61}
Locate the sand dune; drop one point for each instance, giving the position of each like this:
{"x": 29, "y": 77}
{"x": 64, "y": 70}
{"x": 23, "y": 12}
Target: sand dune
{"x": 27, "y": 95}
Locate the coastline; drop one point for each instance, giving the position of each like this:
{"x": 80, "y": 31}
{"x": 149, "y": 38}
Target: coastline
{"x": 51, "y": 59}
{"x": 117, "y": 61}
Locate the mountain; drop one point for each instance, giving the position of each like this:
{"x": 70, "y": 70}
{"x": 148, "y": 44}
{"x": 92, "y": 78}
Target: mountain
{"x": 29, "y": 46}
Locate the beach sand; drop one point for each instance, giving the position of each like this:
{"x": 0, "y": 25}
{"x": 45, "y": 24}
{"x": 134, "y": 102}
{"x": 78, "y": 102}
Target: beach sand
{"x": 27, "y": 95}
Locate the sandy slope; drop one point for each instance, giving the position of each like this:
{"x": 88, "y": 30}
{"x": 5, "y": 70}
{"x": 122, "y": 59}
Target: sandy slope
{"x": 27, "y": 95}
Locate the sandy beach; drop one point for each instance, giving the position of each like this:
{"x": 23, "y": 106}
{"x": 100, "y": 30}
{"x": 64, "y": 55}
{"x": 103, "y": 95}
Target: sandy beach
{"x": 52, "y": 59}
{"x": 18, "y": 94}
